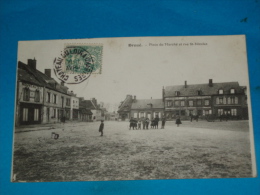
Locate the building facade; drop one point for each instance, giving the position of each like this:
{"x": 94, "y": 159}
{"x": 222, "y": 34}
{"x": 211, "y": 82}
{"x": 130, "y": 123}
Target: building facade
{"x": 140, "y": 108}
{"x": 29, "y": 100}
{"x": 227, "y": 98}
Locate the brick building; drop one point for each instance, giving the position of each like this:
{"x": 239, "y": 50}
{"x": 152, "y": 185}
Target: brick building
{"x": 228, "y": 98}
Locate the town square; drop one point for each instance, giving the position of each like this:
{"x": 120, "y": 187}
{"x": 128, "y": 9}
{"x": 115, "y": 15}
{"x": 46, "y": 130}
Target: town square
{"x": 194, "y": 150}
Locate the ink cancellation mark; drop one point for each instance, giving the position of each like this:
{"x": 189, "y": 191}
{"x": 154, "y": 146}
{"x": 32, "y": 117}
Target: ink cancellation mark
{"x": 77, "y": 62}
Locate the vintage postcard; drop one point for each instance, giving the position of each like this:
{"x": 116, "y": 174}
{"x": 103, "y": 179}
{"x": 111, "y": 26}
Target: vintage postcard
{"x": 133, "y": 109}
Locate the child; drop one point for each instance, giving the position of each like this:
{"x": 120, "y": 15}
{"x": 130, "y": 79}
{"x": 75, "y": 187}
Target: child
{"x": 101, "y": 127}
{"x": 139, "y": 124}
{"x": 178, "y": 120}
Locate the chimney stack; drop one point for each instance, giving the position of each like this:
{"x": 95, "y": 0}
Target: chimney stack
{"x": 134, "y": 97}
{"x": 210, "y": 82}
{"x": 32, "y": 63}
{"x": 185, "y": 83}
{"x": 47, "y": 72}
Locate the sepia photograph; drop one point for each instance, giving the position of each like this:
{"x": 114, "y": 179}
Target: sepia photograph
{"x": 136, "y": 108}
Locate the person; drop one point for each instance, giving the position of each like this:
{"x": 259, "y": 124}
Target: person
{"x": 191, "y": 117}
{"x": 178, "y": 120}
{"x": 132, "y": 121}
{"x": 139, "y": 124}
{"x": 101, "y": 127}
{"x": 163, "y": 122}
{"x": 144, "y": 123}
{"x": 156, "y": 122}
{"x": 147, "y": 121}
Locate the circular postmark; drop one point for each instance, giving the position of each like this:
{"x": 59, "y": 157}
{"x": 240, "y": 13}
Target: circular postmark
{"x": 76, "y": 63}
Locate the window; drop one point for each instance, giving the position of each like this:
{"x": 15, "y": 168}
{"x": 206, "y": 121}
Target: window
{"x": 177, "y": 103}
{"x": 220, "y": 91}
{"x": 177, "y": 112}
{"x": 221, "y": 100}
{"x": 232, "y": 100}
{"x": 182, "y": 103}
{"x": 48, "y": 99}
{"x": 54, "y": 98}
{"x": 25, "y": 114}
{"x": 210, "y": 111}
{"x": 236, "y": 100}
{"x": 190, "y": 102}
{"x": 67, "y": 102}
{"x": 37, "y": 96}
{"x": 198, "y": 102}
{"x": 199, "y": 92}
{"x": 62, "y": 101}
{"x": 177, "y": 93}
{"x": 234, "y": 112}
{"x": 169, "y": 103}
{"x": 26, "y": 94}
{"x": 220, "y": 112}
{"x": 36, "y": 114}
{"x": 224, "y": 100}
{"x": 229, "y": 100}
{"x": 232, "y": 91}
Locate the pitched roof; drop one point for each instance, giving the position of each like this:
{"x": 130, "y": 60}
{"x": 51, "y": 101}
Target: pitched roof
{"x": 126, "y": 104}
{"x": 26, "y": 77}
{"x": 192, "y": 90}
{"x": 88, "y": 104}
{"x": 43, "y": 79}
{"x": 146, "y": 103}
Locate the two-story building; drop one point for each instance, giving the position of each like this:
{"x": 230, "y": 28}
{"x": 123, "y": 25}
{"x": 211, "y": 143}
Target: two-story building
{"x": 56, "y": 101}
{"x": 204, "y": 99}
{"x": 29, "y": 99}
{"x": 74, "y": 102}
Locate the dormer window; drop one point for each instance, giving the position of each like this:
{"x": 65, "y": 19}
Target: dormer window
{"x": 199, "y": 92}
{"x": 220, "y": 91}
{"x": 177, "y": 93}
{"x": 232, "y": 91}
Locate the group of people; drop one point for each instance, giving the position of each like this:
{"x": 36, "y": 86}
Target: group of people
{"x": 145, "y": 122}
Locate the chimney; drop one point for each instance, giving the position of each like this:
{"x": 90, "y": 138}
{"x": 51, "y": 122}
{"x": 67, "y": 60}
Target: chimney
{"x": 47, "y": 72}
{"x": 32, "y": 63}
{"x": 134, "y": 97}
{"x": 185, "y": 84}
{"x": 210, "y": 82}
{"x": 151, "y": 97}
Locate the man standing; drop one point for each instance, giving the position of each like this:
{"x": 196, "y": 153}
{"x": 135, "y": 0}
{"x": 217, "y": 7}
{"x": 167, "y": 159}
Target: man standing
{"x": 147, "y": 121}
{"x": 101, "y": 127}
{"x": 163, "y": 122}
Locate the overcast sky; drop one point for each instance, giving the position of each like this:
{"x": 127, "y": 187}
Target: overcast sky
{"x": 143, "y": 71}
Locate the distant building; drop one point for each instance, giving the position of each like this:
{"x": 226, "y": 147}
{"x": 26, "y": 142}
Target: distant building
{"x": 111, "y": 116}
{"x": 140, "y": 108}
{"x": 85, "y": 107}
{"x": 227, "y": 98}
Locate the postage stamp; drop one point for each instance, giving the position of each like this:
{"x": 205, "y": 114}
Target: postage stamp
{"x": 77, "y": 62}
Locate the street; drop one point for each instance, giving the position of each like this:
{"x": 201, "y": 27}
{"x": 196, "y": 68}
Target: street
{"x": 193, "y": 150}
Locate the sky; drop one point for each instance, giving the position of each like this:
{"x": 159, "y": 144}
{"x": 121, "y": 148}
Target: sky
{"x": 144, "y": 70}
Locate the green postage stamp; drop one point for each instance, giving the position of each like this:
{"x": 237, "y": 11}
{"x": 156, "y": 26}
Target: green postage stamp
{"x": 77, "y": 62}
